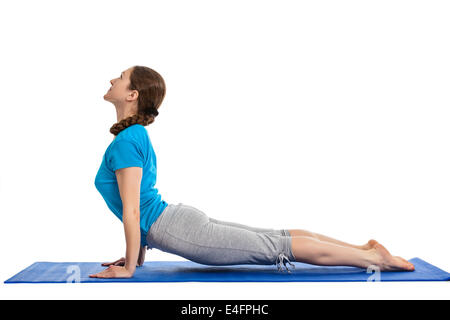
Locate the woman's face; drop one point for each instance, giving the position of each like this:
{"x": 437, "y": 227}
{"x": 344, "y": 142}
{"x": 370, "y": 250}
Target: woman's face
{"x": 118, "y": 91}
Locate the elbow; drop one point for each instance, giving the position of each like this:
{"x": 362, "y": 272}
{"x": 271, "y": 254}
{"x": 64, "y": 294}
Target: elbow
{"x": 131, "y": 212}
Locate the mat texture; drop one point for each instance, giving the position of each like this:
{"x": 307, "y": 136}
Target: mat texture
{"x": 184, "y": 271}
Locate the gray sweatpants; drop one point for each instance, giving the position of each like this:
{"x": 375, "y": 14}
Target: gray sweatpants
{"x": 188, "y": 232}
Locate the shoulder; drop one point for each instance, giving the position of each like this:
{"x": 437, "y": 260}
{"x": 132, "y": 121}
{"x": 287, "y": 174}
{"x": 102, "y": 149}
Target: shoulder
{"x": 137, "y": 128}
{"x": 136, "y": 133}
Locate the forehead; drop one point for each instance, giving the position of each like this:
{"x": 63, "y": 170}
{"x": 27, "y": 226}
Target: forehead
{"x": 126, "y": 71}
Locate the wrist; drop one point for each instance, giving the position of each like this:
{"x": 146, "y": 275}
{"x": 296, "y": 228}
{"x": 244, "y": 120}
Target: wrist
{"x": 130, "y": 268}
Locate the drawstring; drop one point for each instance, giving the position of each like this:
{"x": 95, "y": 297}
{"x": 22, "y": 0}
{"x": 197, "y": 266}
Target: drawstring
{"x": 280, "y": 259}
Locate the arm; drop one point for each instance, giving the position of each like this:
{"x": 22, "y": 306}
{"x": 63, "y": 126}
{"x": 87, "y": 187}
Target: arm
{"x": 129, "y": 182}
{"x": 141, "y": 258}
{"x": 126, "y": 161}
{"x": 132, "y": 237}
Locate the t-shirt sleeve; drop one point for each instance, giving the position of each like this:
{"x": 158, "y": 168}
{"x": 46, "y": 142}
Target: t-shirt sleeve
{"x": 124, "y": 154}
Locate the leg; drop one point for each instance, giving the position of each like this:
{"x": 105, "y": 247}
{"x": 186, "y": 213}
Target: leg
{"x": 305, "y": 233}
{"x": 188, "y": 232}
{"x": 250, "y": 228}
{"x": 296, "y": 233}
{"x": 314, "y": 251}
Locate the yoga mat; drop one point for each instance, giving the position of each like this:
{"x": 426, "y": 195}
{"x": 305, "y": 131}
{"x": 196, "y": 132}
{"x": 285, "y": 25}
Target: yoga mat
{"x": 184, "y": 271}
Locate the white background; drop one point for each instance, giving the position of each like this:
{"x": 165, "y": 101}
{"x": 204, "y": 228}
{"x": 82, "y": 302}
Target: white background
{"x": 330, "y": 116}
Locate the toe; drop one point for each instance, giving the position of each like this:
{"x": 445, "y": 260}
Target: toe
{"x": 404, "y": 264}
{"x": 372, "y": 243}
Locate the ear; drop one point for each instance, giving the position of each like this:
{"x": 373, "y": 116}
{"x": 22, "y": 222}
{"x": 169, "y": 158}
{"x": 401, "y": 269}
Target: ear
{"x": 133, "y": 95}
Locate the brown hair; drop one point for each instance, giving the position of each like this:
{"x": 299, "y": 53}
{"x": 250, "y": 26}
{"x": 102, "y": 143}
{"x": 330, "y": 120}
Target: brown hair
{"x": 152, "y": 89}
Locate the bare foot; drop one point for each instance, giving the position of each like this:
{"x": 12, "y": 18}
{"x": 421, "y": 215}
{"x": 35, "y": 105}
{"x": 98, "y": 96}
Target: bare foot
{"x": 387, "y": 262}
{"x": 369, "y": 245}
{"x": 411, "y": 266}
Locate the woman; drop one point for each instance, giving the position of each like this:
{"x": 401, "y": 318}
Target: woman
{"x": 126, "y": 180}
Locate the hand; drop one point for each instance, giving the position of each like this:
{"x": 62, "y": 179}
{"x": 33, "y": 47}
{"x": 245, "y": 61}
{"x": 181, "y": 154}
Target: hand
{"x": 113, "y": 272}
{"x": 119, "y": 262}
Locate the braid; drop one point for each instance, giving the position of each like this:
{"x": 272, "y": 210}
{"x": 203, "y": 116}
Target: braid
{"x": 140, "y": 118}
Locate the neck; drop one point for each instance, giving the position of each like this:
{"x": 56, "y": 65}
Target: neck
{"x": 125, "y": 112}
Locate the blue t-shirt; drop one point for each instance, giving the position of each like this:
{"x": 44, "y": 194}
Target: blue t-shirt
{"x": 131, "y": 148}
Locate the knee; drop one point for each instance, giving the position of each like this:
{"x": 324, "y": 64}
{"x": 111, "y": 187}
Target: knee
{"x": 306, "y": 247}
{"x": 302, "y": 233}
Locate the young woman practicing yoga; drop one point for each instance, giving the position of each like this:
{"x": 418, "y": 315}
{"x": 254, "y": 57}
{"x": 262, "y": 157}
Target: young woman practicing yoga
{"x": 126, "y": 180}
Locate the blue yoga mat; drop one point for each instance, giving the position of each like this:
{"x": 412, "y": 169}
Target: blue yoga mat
{"x": 184, "y": 271}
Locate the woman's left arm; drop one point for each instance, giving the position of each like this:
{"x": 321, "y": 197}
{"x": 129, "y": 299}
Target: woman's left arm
{"x": 133, "y": 238}
{"x": 129, "y": 182}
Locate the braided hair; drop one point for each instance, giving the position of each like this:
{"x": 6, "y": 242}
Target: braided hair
{"x": 152, "y": 89}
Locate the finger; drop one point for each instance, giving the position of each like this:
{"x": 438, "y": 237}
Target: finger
{"x": 97, "y": 275}
{"x": 100, "y": 275}
{"x": 113, "y": 263}
{"x": 106, "y": 274}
